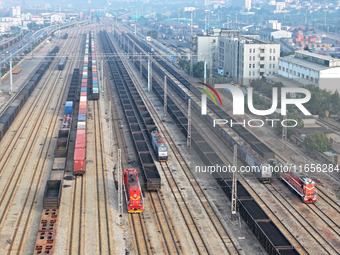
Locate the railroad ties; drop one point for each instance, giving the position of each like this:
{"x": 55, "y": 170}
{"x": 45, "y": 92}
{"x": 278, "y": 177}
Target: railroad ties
{"x": 264, "y": 229}
{"x": 45, "y": 241}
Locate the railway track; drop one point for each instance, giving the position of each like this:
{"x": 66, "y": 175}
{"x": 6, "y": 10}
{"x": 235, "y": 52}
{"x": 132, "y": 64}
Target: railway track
{"x": 103, "y": 220}
{"x": 140, "y": 237}
{"x": 77, "y": 217}
{"x": 217, "y": 224}
{"x": 166, "y": 227}
{"x": 21, "y": 172}
{"x": 297, "y": 242}
{"x": 327, "y": 124}
{"x": 328, "y": 200}
{"x": 304, "y": 221}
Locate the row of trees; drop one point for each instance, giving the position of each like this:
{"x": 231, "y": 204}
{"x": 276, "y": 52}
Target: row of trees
{"x": 322, "y": 101}
{"x": 197, "y": 68}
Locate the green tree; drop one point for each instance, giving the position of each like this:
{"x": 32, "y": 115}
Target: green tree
{"x": 198, "y": 70}
{"x": 184, "y": 64}
{"x": 318, "y": 141}
{"x": 335, "y": 102}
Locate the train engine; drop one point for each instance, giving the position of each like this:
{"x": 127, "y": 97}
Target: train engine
{"x": 302, "y": 185}
{"x": 133, "y": 191}
{"x": 159, "y": 146}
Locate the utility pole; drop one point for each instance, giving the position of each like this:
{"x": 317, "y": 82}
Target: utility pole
{"x": 205, "y": 71}
{"x": 102, "y": 75}
{"x": 120, "y": 187}
{"x": 10, "y": 72}
{"x": 191, "y": 45}
{"x": 189, "y": 126}
{"x": 205, "y": 22}
{"x": 165, "y": 96}
{"x": 136, "y": 25}
{"x": 149, "y": 74}
{"x": 140, "y": 63}
{"x": 284, "y": 130}
{"x": 234, "y": 187}
{"x": 0, "y": 80}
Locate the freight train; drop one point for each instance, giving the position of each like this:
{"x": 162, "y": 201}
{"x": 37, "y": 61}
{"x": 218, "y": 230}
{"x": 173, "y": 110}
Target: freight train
{"x": 159, "y": 146}
{"x": 303, "y": 186}
{"x": 79, "y": 164}
{"x": 133, "y": 191}
{"x": 8, "y": 116}
{"x": 95, "y": 85}
{"x": 134, "y": 107}
{"x": 263, "y": 228}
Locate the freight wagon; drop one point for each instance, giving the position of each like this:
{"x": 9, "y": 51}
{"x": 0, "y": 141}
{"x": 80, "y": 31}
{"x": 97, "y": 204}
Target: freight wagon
{"x": 14, "y": 108}
{"x": 125, "y": 86}
{"x": 52, "y": 194}
{"x": 263, "y": 228}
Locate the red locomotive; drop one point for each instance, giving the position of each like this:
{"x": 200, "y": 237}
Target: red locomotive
{"x": 133, "y": 191}
{"x": 302, "y": 185}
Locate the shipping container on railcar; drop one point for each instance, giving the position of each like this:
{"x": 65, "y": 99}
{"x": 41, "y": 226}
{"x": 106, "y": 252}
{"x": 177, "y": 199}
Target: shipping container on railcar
{"x": 159, "y": 145}
{"x": 133, "y": 191}
{"x": 300, "y": 184}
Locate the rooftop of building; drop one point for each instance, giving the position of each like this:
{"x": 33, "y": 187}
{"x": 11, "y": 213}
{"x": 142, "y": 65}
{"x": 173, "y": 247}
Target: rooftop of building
{"x": 305, "y": 63}
{"x": 311, "y": 130}
{"x": 311, "y": 54}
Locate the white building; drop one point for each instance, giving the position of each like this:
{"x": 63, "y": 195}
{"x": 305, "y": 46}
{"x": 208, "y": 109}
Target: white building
{"x": 57, "y": 18}
{"x": 16, "y": 11}
{"x": 13, "y": 21}
{"x": 205, "y": 48}
{"x": 5, "y": 27}
{"x": 274, "y": 24}
{"x": 270, "y": 34}
{"x": 244, "y": 58}
{"x": 38, "y": 19}
{"x": 310, "y": 68}
{"x": 244, "y": 4}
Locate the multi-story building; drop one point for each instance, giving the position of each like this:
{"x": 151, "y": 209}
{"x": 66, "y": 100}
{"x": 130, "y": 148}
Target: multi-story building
{"x": 311, "y": 68}
{"x": 244, "y": 4}
{"x": 244, "y": 58}
{"x": 5, "y": 28}
{"x": 205, "y": 47}
{"x": 16, "y": 11}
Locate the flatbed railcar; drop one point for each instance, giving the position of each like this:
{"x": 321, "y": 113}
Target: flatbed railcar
{"x": 263, "y": 228}
{"x": 133, "y": 191}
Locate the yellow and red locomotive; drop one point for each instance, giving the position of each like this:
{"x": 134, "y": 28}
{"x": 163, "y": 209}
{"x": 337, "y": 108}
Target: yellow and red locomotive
{"x": 301, "y": 184}
{"x": 133, "y": 191}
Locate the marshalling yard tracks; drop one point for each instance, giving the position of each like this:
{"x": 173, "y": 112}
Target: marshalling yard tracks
{"x": 200, "y": 242}
{"x": 24, "y": 156}
{"x": 316, "y": 232}
{"x": 141, "y": 240}
{"x": 91, "y": 231}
